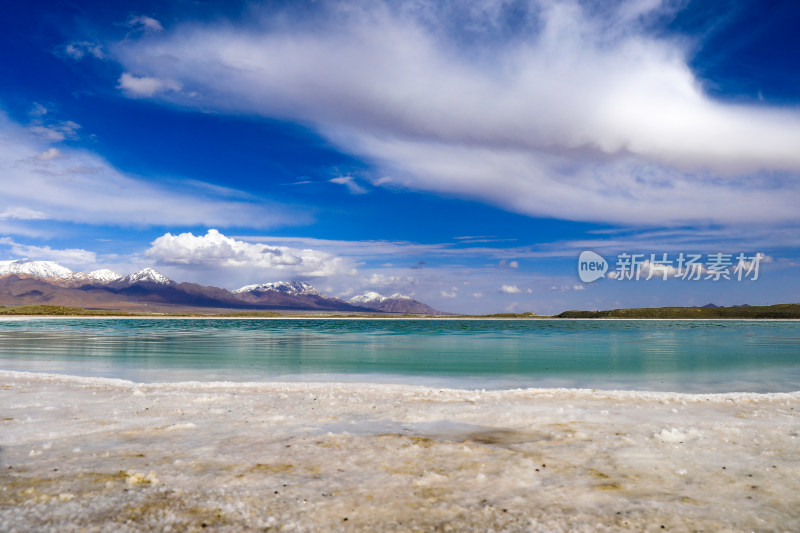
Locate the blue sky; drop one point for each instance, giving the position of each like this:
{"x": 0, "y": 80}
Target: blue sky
{"x": 464, "y": 153}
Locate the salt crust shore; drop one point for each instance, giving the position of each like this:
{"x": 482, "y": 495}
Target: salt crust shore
{"x": 89, "y": 454}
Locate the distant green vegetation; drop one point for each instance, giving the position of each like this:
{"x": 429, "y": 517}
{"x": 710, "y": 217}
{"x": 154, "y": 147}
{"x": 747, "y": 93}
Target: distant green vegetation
{"x": 58, "y": 310}
{"x": 766, "y": 311}
{"x": 250, "y": 314}
{"x": 507, "y": 315}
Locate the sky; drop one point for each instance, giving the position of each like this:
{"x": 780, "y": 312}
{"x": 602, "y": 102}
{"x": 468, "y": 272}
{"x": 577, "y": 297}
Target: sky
{"x": 464, "y": 153}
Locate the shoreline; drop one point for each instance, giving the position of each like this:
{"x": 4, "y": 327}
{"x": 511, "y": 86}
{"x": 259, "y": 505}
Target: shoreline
{"x": 270, "y": 386}
{"x": 382, "y": 318}
{"x": 110, "y": 454}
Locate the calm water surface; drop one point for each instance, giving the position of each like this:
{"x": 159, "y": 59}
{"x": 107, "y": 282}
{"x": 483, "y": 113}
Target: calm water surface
{"x": 686, "y": 356}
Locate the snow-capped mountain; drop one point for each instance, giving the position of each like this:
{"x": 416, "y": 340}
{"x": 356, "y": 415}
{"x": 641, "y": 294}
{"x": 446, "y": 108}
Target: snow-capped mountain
{"x": 45, "y": 282}
{"x": 283, "y": 287}
{"x": 396, "y": 303}
{"x": 146, "y": 275}
{"x": 292, "y": 294}
{"x": 376, "y": 298}
{"x": 52, "y": 271}
{"x": 103, "y": 275}
{"x": 36, "y": 269}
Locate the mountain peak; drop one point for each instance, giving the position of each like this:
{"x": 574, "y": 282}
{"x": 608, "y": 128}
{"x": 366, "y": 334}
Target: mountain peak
{"x": 372, "y": 297}
{"x": 398, "y": 296}
{"x": 367, "y": 297}
{"x": 38, "y": 269}
{"x": 148, "y": 275}
{"x": 103, "y": 275}
{"x": 285, "y": 287}
{"x": 396, "y": 303}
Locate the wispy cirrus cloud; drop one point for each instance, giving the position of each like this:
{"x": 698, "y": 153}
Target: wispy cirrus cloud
{"x": 572, "y": 113}
{"x": 145, "y": 23}
{"x": 42, "y": 182}
{"x": 69, "y": 257}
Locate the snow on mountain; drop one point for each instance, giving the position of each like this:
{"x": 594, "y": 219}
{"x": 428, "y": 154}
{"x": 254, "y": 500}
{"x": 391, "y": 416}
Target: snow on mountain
{"x": 103, "y": 275}
{"x": 284, "y": 287}
{"x": 376, "y": 298}
{"x": 147, "y": 275}
{"x": 396, "y": 303}
{"x": 37, "y": 269}
{"x": 53, "y": 271}
{"x": 366, "y": 298}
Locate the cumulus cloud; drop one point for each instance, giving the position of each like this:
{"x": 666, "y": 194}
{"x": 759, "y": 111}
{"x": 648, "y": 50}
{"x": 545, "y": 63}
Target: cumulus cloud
{"x": 79, "y": 186}
{"x": 215, "y": 250}
{"x": 448, "y": 294}
{"x": 510, "y": 289}
{"x": 575, "y": 113}
{"x": 144, "y": 86}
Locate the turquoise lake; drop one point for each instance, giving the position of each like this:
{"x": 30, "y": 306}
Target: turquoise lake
{"x": 680, "y": 355}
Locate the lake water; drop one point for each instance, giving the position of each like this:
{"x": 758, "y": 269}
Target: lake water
{"x": 680, "y": 355}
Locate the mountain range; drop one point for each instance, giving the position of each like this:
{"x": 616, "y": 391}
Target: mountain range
{"x": 24, "y": 282}
{"x": 396, "y": 303}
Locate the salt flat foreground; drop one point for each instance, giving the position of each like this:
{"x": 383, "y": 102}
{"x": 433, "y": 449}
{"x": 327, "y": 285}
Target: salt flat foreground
{"x": 80, "y": 454}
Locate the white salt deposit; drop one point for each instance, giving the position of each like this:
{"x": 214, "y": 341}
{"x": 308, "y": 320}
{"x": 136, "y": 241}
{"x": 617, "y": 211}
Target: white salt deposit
{"x": 112, "y": 455}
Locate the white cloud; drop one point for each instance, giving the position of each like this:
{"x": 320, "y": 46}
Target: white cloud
{"x": 22, "y": 213}
{"x": 55, "y": 132}
{"x": 146, "y": 23}
{"x": 70, "y": 257}
{"x": 78, "y": 49}
{"x": 393, "y": 282}
{"x": 581, "y": 114}
{"x": 50, "y": 153}
{"x": 450, "y": 294}
{"x": 510, "y": 289}
{"x": 215, "y": 250}
{"x": 350, "y": 183}
{"x": 38, "y": 110}
{"x": 564, "y": 288}
{"x": 477, "y": 295}
{"x": 79, "y": 186}
{"x": 144, "y": 86}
